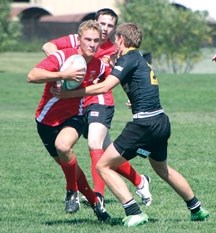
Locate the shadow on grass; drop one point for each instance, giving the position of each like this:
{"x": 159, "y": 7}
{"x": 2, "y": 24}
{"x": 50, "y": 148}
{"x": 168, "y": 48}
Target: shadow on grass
{"x": 69, "y": 222}
{"x": 112, "y": 222}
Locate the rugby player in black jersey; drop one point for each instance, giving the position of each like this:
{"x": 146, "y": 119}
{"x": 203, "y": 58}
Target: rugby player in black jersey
{"x": 146, "y": 136}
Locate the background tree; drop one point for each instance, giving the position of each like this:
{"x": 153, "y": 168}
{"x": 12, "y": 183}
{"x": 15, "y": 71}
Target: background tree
{"x": 10, "y": 31}
{"x": 174, "y": 35}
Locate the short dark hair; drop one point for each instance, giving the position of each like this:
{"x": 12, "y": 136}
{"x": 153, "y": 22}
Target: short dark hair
{"x": 106, "y": 11}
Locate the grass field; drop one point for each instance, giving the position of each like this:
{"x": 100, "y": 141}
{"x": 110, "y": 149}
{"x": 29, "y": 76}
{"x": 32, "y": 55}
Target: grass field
{"x": 33, "y": 187}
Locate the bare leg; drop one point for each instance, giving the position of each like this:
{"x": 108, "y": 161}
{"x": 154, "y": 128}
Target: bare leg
{"x": 107, "y": 141}
{"x": 96, "y": 135}
{"x": 173, "y": 178}
{"x": 106, "y": 167}
{"x": 65, "y": 140}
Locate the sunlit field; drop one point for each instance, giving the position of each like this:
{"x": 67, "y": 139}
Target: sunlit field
{"x": 33, "y": 187}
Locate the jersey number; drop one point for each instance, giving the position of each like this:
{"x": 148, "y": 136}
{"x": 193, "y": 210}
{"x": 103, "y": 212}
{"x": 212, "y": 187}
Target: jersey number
{"x": 153, "y": 78}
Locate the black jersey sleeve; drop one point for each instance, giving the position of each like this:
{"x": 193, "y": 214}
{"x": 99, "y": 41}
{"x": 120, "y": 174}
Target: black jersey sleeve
{"x": 123, "y": 68}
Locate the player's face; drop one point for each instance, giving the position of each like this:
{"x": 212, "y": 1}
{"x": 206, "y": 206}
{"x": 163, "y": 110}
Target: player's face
{"x": 89, "y": 42}
{"x": 107, "y": 23}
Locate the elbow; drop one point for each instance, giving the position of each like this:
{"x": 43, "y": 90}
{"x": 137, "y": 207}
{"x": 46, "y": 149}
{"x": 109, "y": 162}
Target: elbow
{"x": 45, "y": 49}
{"x": 30, "y": 78}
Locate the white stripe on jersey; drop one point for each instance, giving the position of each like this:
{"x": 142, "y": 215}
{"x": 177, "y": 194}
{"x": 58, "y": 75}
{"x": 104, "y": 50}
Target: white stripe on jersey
{"x": 46, "y": 108}
{"x": 73, "y": 40}
{"x": 102, "y": 69}
{"x": 81, "y": 107}
{"x": 101, "y": 99}
{"x": 60, "y": 57}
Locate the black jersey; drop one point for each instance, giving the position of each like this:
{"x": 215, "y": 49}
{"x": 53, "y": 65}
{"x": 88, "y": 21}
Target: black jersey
{"x": 138, "y": 81}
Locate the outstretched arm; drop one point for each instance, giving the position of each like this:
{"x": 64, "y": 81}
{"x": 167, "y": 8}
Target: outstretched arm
{"x": 38, "y": 75}
{"x": 100, "y": 88}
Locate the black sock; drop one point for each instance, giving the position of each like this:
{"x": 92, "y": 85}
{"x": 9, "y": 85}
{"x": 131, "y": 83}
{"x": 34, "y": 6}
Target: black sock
{"x": 131, "y": 208}
{"x": 193, "y": 205}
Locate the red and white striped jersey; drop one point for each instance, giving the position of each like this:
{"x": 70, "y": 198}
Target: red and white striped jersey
{"x": 53, "y": 111}
{"x": 105, "y": 50}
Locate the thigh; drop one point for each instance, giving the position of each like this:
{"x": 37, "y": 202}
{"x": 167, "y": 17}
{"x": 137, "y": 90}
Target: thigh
{"x": 107, "y": 141}
{"x": 66, "y": 138}
{"x": 70, "y": 132}
{"x": 111, "y": 158}
{"x": 96, "y": 135}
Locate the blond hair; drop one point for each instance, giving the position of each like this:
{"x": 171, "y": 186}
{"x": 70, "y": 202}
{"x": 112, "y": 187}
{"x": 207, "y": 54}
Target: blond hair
{"x": 89, "y": 24}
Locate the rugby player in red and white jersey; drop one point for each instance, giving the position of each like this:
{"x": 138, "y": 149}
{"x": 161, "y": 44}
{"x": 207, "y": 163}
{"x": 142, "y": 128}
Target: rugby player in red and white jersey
{"x": 60, "y": 122}
{"x": 100, "y": 109}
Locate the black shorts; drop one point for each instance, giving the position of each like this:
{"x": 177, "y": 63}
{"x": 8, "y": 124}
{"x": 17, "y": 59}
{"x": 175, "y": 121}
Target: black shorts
{"x": 48, "y": 134}
{"x": 98, "y": 113}
{"x": 145, "y": 137}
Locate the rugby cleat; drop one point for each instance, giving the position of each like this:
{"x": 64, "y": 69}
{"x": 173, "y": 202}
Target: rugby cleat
{"x": 72, "y": 203}
{"x": 144, "y": 192}
{"x": 135, "y": 220}
{"x": 201, "y": 215}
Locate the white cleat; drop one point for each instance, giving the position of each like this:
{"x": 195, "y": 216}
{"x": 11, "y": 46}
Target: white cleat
{"x": 135, "y": 220}
{"x": 144, "y": 192}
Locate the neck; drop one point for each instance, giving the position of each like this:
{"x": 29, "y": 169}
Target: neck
{"x": 103, "y": 41}
{"x": 126, "y": 50}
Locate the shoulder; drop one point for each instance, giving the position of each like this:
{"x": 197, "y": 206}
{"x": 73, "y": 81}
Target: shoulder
{"x": 134, "y": 57}
{"x": 62, "y": 55}
{"x": 106, "y": 49}
{"x": 66, "y": 41}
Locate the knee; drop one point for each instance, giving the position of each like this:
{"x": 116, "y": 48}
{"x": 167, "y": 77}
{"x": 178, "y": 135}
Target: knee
{"x": 98, "y": 168}
{"x": 62, "y": 147}
{"x": 94, "y": 143}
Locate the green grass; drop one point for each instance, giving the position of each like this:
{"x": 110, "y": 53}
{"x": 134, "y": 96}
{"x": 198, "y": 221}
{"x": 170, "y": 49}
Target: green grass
{"x": 33, "y": 187}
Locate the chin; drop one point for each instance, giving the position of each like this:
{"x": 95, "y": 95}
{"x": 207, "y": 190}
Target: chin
{"x": 104, "y": 38}
{"x": 90, "y": 54}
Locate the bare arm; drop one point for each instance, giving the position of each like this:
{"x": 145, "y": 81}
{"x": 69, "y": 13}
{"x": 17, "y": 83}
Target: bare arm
{"x": 38, "y": 75}
{"x": 100, "y": 88}
{"x": 49, "y": 48}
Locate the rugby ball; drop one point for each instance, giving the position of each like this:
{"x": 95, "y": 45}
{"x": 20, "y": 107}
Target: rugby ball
{"x": 76, "y": 61}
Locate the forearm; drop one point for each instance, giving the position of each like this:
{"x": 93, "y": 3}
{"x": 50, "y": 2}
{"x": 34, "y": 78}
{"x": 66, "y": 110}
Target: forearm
{"x": 38, "y": 75}
{"x": 100, "y": 88}
{"x": 95, "y": 89}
